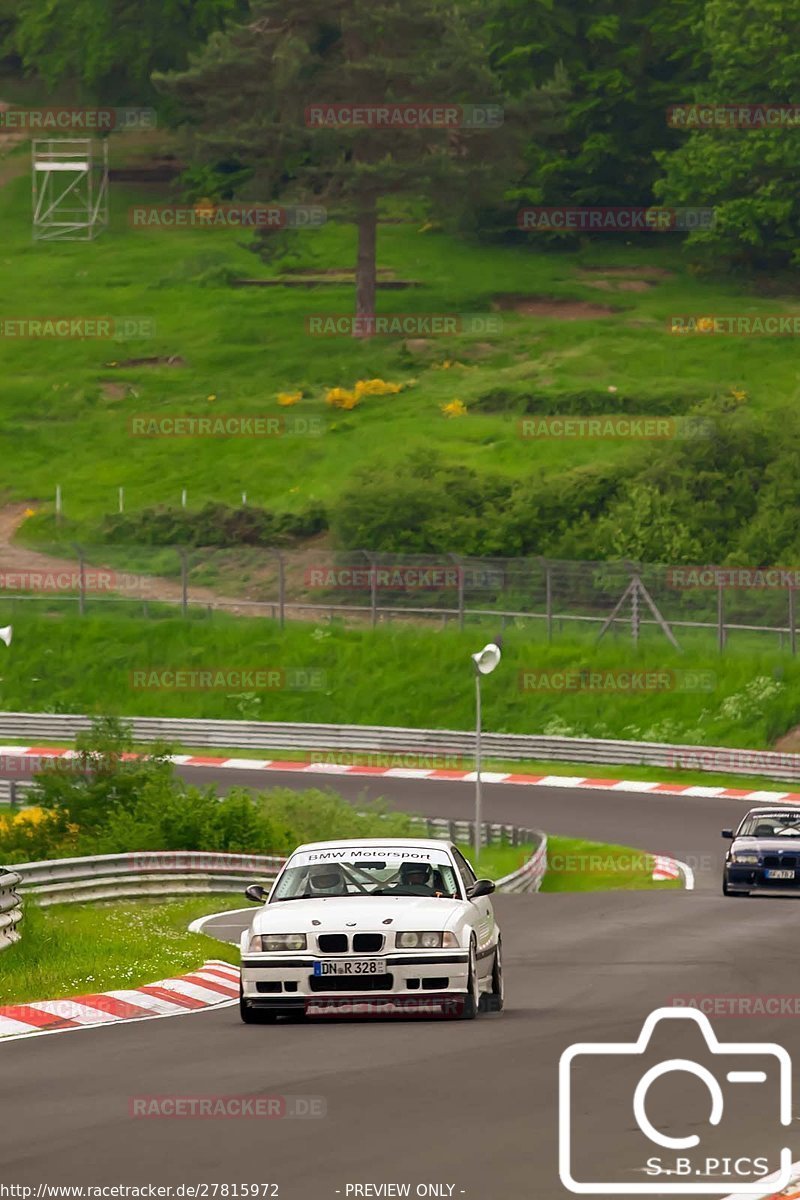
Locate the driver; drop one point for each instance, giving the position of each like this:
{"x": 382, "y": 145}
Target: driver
{"x": 326, "y": 881}
{"x": 415, "y": 879}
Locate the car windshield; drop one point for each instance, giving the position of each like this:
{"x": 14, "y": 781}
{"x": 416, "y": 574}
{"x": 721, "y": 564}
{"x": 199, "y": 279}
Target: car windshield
{"x": 389, "y": 875}
{"x": 771, "y": 825}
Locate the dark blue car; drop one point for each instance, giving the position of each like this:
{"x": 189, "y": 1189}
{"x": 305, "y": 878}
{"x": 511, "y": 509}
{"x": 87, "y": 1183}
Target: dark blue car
{"x": 764, "y": 854}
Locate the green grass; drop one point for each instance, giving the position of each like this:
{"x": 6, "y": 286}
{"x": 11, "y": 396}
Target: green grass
{"x": 575, "y": 865}
{"x": 242, "y": 346}
{"x": 78, "y": 949}
{"x": 496, "y": 861}
{"x": 390, "y": 676}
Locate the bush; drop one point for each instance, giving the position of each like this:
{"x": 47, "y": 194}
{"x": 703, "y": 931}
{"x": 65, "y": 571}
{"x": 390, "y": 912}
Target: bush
{"x": 213, "y": 525}
{"x": 109, "y": 804}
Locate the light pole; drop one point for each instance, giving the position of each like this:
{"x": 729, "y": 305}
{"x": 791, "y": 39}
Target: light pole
{"x": 485, "y": 662}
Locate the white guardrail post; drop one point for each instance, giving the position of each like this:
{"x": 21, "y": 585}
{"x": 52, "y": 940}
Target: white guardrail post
{"x": 10, "y": 908}
{"x": 396, "y": 741}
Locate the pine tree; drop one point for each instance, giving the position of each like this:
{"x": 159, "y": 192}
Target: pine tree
{"x": 263, "y": 93}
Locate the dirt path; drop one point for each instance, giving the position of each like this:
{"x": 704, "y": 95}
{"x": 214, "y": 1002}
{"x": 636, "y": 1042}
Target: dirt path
{"x": 24, "y": 569}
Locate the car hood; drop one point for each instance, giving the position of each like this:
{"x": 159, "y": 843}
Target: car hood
{"x": 342, "y": 912}
{"x": 768, "y": 845}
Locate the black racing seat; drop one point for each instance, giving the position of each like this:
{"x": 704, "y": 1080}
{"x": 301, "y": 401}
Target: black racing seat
{"x": 764, "y": 830}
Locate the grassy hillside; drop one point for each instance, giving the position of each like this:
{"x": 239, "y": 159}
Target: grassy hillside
{"x": 67, "y": 404}
{"x": 397, "y": 676}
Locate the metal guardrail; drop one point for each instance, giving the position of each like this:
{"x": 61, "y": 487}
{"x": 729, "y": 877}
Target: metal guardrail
{"x": 10, "y": 908}
{"x": 12, "y": 792}
{"x": 276, "y": 735}
{"x": 189, "y": 872}
{"x": 137, "y": 874}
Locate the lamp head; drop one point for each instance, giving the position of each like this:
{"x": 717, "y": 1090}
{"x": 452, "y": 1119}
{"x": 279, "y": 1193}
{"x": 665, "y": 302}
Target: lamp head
{"x": 487, "y": 659}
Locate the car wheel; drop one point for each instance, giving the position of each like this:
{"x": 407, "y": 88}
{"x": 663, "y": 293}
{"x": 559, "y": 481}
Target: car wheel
{"x": 254, "y": 1016}
{"x": 472, "y": 996}
{"x": 493, "y": 1001}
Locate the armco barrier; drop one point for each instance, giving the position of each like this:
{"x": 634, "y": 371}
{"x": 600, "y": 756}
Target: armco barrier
{"x": 145, "y": 873}
{"x": 10, "y": 909}
{"x": 191, "y": 872}
{"x": 276, "y": 735}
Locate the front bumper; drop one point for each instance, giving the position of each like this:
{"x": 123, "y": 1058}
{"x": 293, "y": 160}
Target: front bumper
{"x": 413, "y": 980}
{"x": 749, "y": 878}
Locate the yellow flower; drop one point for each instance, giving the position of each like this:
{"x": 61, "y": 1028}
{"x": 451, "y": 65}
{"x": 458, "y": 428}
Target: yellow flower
{"x": 456, "y": 408}
{"x": 340, "y": 398}
{"x": 211, "y": 399}
{"x": 738, "y": 394}
{"x": 287, "y": 399}
{"x": 376, "y": 387}
{"x": 30, "y": 512}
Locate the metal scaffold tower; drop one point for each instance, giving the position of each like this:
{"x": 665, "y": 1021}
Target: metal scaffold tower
{"x": 70, "y": 189}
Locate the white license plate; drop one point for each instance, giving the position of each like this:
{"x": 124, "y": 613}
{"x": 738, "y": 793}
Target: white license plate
{"x": 780, "y": 874}
{"x": 351, "y": 966}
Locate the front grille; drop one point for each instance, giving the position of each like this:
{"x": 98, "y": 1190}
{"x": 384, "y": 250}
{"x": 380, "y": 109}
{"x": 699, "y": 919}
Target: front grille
{"x": 788, "y": 861}
{"x": 332, "y": 943}
{"x": 348, "y": 983}
{"x": 436, "y": 984}
{"x": 269, "y": 986}
{"x": 368, "y": 942}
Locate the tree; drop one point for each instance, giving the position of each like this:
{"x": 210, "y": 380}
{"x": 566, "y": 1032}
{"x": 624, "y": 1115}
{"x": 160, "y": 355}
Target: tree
{"x": 749, "y": 175}
{"x": 625, "y": 64}
{"x": 111, "y": 47}
{"x": 267, "y": 92}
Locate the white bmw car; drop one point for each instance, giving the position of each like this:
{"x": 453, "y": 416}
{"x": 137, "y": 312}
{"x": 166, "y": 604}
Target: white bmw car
{"x": 373, "y": 927}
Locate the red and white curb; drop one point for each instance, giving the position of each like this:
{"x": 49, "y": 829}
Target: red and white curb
{"x": 665, "y": 867}
{"x": 212, "y": 984}
{"x": 328, "y": 768}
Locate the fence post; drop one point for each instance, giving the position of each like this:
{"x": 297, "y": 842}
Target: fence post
{"x": 121, "y": 495}
{"x": 792, "y": 626}
{"x": 281, "y": 590}
{"x": 81, "y": 582}
{"x": 13, "y": 794}
{"x": 548, "y": 593}
{"x": 460, "y": 570}
{"x": 184, "y": 580}
{"x": 373, "y": 589}
{"x": 720, "y": 618}
{"x": 58, "y": 504}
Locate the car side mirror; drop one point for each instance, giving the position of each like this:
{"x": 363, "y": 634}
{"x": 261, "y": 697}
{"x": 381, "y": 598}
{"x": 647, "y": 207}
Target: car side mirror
{"x": 481, "y": 887}
{"x": 727, "y": 833}
{"x": 256, "y": 893}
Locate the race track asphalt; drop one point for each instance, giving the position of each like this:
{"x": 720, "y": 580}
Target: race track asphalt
{"x": 472, "y": 1105}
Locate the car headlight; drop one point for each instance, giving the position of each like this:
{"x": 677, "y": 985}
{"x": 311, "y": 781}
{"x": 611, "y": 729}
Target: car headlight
{"x": 428, "y": 940}
{"x": 745, "y": 856}
{"x": 278, "y": 941}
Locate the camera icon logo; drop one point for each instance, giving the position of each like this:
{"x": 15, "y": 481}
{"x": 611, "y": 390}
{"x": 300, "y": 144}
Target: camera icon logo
{"x": 692, "y": 1165}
